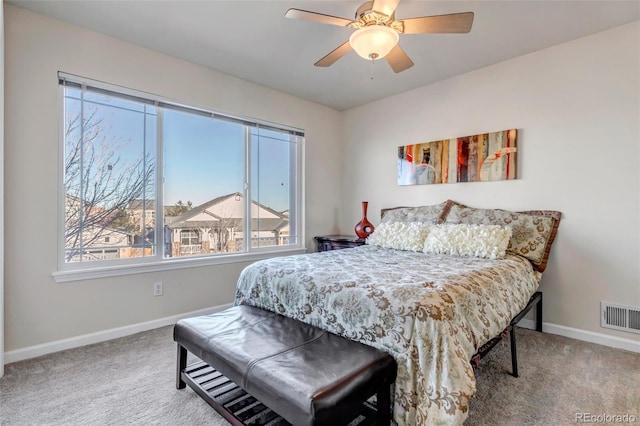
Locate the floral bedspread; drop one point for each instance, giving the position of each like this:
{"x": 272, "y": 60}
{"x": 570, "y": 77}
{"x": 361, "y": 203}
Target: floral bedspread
{"x": 430, "y": 312}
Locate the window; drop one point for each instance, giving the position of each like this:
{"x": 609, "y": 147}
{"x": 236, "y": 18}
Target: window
{"x": 188, "y": 238}
{"x": 147, "y": 180}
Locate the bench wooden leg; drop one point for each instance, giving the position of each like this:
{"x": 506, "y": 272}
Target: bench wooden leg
{"x": 383, "y": 399}
{"x": 181, "y": 364}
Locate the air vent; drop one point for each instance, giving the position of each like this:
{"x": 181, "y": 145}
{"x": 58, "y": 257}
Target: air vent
{"x": 620, "y": 317}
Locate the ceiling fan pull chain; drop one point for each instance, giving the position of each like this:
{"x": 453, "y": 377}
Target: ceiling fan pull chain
{"x": 373, "y": 61}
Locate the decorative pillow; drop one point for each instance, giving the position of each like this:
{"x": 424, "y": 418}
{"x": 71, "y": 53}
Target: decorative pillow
{"x": 424, "y": 214}
{"x": 399, "y": 235}
{"x": 487, "y": 241}
{"x": 533, "y": 232}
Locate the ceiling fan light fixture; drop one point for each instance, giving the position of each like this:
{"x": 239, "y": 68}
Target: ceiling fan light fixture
{"x": 374, "y": 41}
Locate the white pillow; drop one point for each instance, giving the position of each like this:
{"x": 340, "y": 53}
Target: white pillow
{"x": 400, "y": 235}
{"x": 487, "y": 241}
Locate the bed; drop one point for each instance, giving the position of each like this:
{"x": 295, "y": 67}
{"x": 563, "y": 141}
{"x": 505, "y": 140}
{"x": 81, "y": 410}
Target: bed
{"x": 431, "y": 309}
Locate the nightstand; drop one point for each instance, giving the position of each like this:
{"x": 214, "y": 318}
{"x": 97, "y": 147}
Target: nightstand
{"x": 337, "y": 242}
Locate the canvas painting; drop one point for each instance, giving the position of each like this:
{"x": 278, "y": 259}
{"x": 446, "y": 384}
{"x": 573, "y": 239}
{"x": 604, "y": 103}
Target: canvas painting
{"x": 484, "y": 157}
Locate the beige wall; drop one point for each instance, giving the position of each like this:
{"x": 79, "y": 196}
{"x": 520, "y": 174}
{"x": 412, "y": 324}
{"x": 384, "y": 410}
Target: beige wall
{"x": 577, "y": 108}
{"x": 37, "y": 310}
{"x": 1, "y": 191}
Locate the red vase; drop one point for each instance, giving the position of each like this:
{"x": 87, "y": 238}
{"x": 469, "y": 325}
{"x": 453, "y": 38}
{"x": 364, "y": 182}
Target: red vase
{"x": 364, "y": 228}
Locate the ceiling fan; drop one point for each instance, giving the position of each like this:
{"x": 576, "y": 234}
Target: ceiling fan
{"x": 377, "y": 31}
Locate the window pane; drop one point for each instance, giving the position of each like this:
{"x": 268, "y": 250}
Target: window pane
{"x": 109, "y": 161}
{"x": 112, "y": 166}
{"x": 203, "y": 185}
{"x": 273, "y": 178}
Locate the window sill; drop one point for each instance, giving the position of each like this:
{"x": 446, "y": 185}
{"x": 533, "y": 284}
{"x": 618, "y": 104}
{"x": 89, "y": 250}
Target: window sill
{"x": 71, "y": 275}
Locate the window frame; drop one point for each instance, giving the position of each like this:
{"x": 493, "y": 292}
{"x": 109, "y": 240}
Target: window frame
{"x": 158, "y": 262}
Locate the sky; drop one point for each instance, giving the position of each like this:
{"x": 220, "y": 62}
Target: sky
{"x": 203, "y": 158}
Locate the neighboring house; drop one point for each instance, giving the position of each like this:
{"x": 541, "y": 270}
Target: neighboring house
{"x": 217, "y": 227}
{"x": 101, "y": 241}
{"x": 213, "y": 227}
{"x": 74, "y": 208}
{"x": 104, "y": 243}
{"x": 140, "y": 209}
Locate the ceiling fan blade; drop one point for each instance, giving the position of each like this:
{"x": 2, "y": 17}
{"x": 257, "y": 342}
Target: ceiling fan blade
{"x": 317, "y": 17}
{"x": 451, "y": 23}
{"x": 398, "y": 59}
{"x": 336, "y": 54}
{"x": 385, "y": 6}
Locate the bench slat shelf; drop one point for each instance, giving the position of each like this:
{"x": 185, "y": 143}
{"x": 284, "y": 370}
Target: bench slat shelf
{"x": 231, "y": 401}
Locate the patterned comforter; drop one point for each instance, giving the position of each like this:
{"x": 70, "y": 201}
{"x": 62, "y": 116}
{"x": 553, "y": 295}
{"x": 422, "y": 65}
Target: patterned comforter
{"x": 430, "y": 312}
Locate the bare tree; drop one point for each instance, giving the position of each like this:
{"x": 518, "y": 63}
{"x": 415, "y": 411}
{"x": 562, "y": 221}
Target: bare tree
{"x": 99, "y": 180}
{"x": 221, "y": 232}
{"x": 179, "y": 208}
{"x": 123, "y": 220}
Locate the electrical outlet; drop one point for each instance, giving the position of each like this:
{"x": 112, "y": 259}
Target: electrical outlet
{"x": 157, "y": 288}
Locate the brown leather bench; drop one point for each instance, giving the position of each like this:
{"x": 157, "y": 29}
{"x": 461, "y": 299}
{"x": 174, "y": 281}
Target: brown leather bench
{"x": 302, "y": 373}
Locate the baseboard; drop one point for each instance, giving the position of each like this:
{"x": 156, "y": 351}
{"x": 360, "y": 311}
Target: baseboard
{"x": 114, "y": 333}
{"x": 584, "y": 335}
{"x": 101, "y": 336}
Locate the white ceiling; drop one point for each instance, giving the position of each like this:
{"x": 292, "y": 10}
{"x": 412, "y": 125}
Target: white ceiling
{"x": 254, "y": 41}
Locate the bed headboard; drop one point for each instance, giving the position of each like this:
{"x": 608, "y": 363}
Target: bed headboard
{"x": 424, "y": 214}
{"x": 533, "y": 231}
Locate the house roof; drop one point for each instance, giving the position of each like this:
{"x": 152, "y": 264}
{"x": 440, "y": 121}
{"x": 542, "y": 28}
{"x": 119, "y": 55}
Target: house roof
{"x": 138, "y": 204}
{"x": 228, "y": 211}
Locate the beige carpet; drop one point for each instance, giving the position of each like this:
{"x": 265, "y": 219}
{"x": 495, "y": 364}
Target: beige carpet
{"x": 130, "y": 381}
{"x": 560, "y": 378}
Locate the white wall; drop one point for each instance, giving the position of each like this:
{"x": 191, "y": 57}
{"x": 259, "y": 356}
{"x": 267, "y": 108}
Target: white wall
{"x": 577, "y": 108}
{"x": 39, "y": 311}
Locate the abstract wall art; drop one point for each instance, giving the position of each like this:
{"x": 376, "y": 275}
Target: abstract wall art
{"x": 477, "y": 158}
